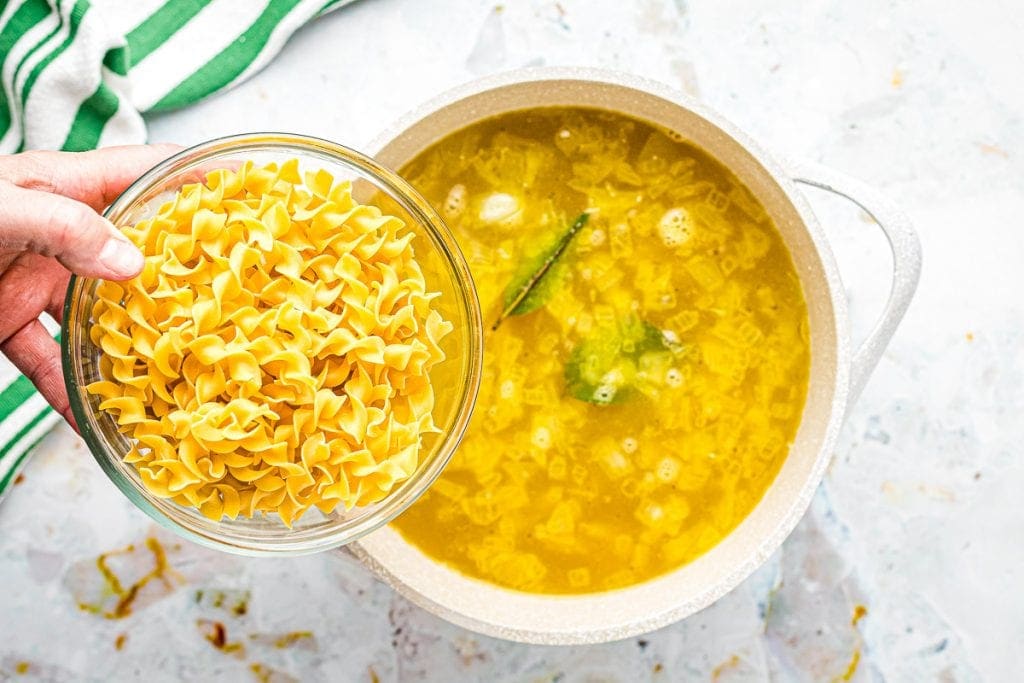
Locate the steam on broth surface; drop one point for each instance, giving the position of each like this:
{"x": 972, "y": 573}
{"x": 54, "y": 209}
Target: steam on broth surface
{"x": 640, "y": 399}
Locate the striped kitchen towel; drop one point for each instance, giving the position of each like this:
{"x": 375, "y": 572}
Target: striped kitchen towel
{"x": 76, "y": 75}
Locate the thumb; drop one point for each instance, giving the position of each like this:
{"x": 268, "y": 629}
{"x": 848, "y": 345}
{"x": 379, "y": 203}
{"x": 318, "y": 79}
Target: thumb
{"x": 52, "y": 225}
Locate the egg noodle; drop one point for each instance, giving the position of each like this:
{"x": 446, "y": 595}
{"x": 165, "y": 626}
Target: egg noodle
{"x": 273, "y": 355}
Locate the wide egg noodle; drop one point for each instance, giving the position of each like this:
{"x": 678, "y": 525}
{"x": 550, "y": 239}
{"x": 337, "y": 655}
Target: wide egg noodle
{"x": 273, "y": 354}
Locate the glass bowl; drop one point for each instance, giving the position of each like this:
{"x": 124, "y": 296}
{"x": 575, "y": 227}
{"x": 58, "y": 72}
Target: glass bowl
{"x": 455, "y": 380}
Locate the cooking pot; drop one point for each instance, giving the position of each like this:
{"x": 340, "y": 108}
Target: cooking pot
{"x": 837, "y": 376}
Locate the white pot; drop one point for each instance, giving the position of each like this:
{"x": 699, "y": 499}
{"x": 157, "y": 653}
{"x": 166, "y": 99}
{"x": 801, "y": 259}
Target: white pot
{"x": 837, "y": 373}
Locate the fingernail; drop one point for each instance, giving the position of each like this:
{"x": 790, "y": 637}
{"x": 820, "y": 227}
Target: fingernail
{"x": 122, "y": 257}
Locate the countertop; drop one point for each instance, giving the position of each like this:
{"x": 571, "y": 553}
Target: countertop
{"x": 919, "y": 520}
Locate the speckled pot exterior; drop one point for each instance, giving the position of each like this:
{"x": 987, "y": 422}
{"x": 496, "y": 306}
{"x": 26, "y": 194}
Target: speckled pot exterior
{"x": 837, "y": 374}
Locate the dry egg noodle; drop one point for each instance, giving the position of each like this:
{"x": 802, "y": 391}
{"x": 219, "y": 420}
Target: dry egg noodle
{"x": 642, "y": 406}
{"x": 274, "y": 353}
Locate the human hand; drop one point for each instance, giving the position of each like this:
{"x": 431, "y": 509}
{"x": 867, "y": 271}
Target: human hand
{"x": 49, "y": 228}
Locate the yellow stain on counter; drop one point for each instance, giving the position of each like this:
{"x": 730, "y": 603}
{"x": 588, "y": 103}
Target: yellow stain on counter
{"x": 126, "y": 596}
{"x": 995, "y": 150}
{"x": 851, "y": 668}
{"x": 727, "y": 665}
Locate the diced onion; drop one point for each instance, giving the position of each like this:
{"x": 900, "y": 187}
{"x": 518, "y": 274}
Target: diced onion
{"x": 500, "y": 208}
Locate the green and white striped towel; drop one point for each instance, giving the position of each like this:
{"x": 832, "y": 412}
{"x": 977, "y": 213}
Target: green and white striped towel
{"x": 76, "y": 74}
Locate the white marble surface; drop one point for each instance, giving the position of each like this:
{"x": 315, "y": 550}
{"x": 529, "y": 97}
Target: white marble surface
{"x": 920, "y": 517}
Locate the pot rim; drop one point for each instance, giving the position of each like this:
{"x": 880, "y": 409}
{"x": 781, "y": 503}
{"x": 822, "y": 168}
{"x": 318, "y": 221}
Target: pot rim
{"x": 781, "y": 526}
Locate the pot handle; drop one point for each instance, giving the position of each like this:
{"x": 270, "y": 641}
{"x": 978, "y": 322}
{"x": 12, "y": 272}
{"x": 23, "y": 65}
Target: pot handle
{"x": 906, "y": 261}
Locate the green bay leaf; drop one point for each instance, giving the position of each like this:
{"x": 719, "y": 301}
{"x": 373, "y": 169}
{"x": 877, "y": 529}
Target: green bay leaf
{"x": 540, "y": 277}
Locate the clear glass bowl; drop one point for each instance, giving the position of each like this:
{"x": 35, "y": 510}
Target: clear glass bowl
{"x": 455, "y": 380}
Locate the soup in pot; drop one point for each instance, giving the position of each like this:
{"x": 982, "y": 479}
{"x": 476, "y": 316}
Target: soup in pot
{"x": 646, "y": 360}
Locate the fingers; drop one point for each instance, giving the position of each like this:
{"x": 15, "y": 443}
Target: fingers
{"x": 51, "y": 225}
{"x": 95, "y": 178}
{"x": 30, "y": 285}
{"x": 37, "y": 355}
{"x": 58, "y": 295}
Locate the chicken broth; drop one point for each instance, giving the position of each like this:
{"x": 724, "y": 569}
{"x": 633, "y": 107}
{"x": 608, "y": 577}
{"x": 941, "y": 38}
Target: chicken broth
{"x": 646, "y": 363}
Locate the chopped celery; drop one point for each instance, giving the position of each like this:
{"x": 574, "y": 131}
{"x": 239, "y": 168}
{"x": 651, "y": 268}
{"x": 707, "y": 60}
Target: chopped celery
{"x": 609, "y": 367}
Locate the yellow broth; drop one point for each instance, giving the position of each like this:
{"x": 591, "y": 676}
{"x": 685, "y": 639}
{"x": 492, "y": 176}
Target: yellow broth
{"x": 641, "y": 410}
